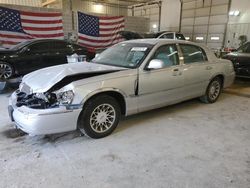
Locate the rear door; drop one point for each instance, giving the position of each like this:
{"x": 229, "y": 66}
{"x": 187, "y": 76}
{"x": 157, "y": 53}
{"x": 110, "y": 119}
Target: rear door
{"x": 42, "y": 50}
{"x": 196, "y": 70}
{"x": 61, "y": 50}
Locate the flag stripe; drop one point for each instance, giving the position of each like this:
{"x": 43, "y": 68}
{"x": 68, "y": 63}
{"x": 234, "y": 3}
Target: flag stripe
{"x": 81, "y": 36}
{"x": 107, "y": 34}
{"x": 9, "y": 42}
{"x": 14, "y": 36}
{"x": 41, "y": 18}
{"x": 9, "y": 39}
{"x": 55, "y": 35}
{"x": 57, "y": 25}
{"x": 41, "y": 14}
{"x": 111, "y": 23}
{"x": 17, "y": 40}
{"x": 41, "y": 21}
{"x": 43, "y": 28}
{"x": 110, "y": 17}
{"x": 43, "y": 33}
{"x": 112, "y": 29}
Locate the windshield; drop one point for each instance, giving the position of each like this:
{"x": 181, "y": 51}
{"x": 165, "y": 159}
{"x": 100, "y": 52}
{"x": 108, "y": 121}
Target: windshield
{"x": 128, "y": 55}
{"x": 20, "y": 45}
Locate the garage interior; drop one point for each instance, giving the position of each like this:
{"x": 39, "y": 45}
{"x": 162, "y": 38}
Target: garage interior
{"x": 189, "y": 144}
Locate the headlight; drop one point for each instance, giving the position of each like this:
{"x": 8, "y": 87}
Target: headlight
{"x": 65, "y": 97}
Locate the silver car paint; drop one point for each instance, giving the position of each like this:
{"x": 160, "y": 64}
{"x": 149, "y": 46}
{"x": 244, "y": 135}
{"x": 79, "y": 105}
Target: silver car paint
{"x": 156, "y": 88}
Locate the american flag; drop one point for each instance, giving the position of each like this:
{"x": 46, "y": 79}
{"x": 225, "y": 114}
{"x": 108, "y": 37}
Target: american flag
{"x": 18, "y": 26}
{"x": 99, "y": 32}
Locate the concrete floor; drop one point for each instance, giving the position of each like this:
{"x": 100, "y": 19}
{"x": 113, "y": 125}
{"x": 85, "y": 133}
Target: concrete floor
{"x": 186, "y": 145}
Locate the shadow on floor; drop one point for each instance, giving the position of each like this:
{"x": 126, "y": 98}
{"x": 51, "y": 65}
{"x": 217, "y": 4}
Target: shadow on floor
{"x": 241, "y": 87}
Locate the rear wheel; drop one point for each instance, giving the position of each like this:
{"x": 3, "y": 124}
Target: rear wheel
{"x": 213, "y": 91}
{"x": 100, "y": 116}
{"x": 6, "y": 71}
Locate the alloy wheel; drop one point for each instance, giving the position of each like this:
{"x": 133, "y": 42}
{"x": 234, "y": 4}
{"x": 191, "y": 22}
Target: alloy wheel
{"x": 214, "y": 90}
{"x": 102, "y": 118}
{"x": 5, "y": 71}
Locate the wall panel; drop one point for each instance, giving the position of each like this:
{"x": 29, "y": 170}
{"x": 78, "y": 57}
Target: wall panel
{"x": 208, "y": 20}
{"x": 32, "y": 3}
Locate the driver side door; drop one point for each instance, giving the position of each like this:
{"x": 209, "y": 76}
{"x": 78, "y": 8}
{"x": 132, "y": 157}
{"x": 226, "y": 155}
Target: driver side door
{"x": 163, "y": 86}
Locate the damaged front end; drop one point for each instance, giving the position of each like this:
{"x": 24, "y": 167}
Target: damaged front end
{"x": 44, "y": 113}
{"x": 44, "y": 100}
{"x": 37, "y": 100}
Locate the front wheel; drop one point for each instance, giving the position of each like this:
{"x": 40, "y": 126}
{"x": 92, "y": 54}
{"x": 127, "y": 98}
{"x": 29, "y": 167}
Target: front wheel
{"x": 213, "y": 91}
{"x": 100, "y": 116}
{"x": 6, "y": 71}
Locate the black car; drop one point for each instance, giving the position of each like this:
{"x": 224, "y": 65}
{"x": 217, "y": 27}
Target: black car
{"x": 129, "y": 35}
{"x": 241, "y": 60}
{"x": 35, "y": 54}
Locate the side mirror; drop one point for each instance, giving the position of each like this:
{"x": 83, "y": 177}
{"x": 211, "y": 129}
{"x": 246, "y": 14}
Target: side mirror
{"x": 155, "y": 64}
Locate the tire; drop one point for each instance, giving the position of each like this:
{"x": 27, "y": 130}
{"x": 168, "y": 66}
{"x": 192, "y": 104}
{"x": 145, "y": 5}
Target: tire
{"x": 3, "y": 86}
{"x": 213, "y": 91}
{"x": 94, "y": 121}
{"x": 6, "y": 71}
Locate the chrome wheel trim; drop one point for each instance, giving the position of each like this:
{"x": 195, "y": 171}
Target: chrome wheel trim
{"x": 5, "y": 71}
{"x": 102, "y": 118}
{"x": 214, "y": 90}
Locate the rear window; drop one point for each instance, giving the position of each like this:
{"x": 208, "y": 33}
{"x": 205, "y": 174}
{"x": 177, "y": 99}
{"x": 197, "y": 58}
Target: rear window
{"x": 180, "y": 37}
{"x": 244, "y": 48}
{"x": 193, "y": 54}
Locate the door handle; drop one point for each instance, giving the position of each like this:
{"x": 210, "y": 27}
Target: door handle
{"x": 208, "y": 68}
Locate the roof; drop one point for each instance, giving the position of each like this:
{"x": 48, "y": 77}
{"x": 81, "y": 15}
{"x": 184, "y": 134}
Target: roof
{"x": 154, "y": 41}
{"x": 34, "y": 40}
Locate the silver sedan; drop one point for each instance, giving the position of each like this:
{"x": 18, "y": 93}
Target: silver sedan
{"x": 128, "y": 78}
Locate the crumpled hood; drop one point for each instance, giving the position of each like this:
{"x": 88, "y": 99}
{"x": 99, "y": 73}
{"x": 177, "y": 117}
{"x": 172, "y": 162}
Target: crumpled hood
{"x": 42, "y": 80}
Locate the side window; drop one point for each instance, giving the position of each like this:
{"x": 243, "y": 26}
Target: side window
{"x": 168, "y": 54}
{"x": 60, "y": 45}
{"x": 243, "y": 48}
{"x": 248, "y": 48}
{"x": 192, "y": 54}
{"x": 40, "y": 47}
{"x": 180, "y": 37}
{"x": 168, "y": 36}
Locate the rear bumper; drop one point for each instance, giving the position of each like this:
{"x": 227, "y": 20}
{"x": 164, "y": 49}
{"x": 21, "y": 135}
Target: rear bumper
{"x": 229, "y": 80}
{"x": 43, "y": 121}
{"x": 243, "y": 72}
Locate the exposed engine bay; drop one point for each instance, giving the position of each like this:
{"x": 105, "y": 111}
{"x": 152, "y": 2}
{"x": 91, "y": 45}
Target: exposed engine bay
{"x": 37, "y": 101}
